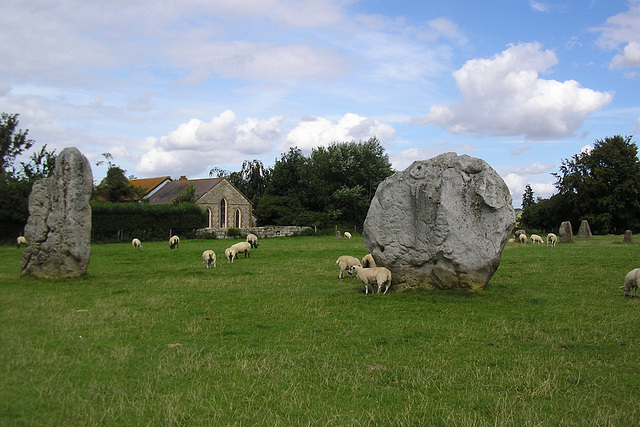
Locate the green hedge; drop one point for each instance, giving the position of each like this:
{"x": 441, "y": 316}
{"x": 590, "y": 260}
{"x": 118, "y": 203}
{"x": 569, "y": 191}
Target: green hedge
{"x": 117, "y": 222}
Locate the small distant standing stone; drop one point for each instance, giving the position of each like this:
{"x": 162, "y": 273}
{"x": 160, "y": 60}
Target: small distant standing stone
{"x": 59, "y": 226}
{"x": 628, "y": 237}
{"x": 584, "y": 231}
{"x": 565, "y": 234}
{"x": 338, "y": 235}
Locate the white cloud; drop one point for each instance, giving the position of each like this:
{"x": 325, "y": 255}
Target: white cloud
{"x": 534, "y": 169}
{"x": 623, "y": 30}
{"x": 539, "y": 6}
{"x": 505, "y": 96}
{"x": 318, "y": 131}
{"x": 196, "y": 145}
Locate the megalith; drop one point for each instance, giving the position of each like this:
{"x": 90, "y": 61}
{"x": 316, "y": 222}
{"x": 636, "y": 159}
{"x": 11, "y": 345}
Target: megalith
{"x": 441, "y": 223}
{"x": 584, "y": 231}
{"x": 628, "y": 237}
{"x": 565, "y": 233}
{"x": 59, "y": 226}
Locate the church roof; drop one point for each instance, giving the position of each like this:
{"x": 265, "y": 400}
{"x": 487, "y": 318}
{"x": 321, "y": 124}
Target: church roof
{"x": 171, "y": 189}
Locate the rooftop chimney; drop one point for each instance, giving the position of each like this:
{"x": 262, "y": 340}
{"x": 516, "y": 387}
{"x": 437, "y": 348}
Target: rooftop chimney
{"x": 183, "y": 178}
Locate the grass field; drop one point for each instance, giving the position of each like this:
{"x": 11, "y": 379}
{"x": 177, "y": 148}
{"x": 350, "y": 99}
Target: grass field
{"x": 151, "y": 337}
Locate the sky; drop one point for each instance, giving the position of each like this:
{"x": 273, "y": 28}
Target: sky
{"x": 178, "y": 87}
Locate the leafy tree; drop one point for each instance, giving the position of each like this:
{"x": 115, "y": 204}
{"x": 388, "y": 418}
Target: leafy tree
{"x": 603, "y": 185}
{"x": 252, "y": 180}
{"x": 115, "y": 187}
{"x": 527, "y": 197}
{"x": 188, "y": 195}
{"x": 16, "y": 181}
{"x": 13, "y": 142}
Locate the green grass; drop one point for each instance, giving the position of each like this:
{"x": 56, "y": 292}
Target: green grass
{"x": 151, "y": 337}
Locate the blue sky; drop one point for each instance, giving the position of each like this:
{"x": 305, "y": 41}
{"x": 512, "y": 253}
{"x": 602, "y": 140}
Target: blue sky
{"x": 179, "y": 87}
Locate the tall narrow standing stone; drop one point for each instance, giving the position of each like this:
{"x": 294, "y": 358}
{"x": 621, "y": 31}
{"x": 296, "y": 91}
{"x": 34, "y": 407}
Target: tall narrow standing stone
{"x": 59, "y": 225}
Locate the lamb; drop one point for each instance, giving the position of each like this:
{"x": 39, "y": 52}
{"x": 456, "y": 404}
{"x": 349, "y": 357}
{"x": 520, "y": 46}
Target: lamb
{"x": 21, "y": 241}
{"x": 372, "y": 276}
{"x": 230, "y": 254}
{"x": 536, "y": 239}
{"x": 242, "y": 247}
{"x": 552, "y": 238}
{"x": 631, "y": 281}
{"x": 136, "y": 243}
{"x": 209, "y": 257}
{"x": 347, "y": 235}
{"x": 174, "y": 242}
{"x": 345, "y": 262}
{"x": 252, "y": 239}
{"x": 368, "y": 261}
{"x": 523, "y": 238}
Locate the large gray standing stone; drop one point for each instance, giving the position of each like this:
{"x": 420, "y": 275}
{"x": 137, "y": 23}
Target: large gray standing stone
{"x": 59, "y": 226}
{"x": 440, "y": 223}
{"x": 628, "y": 237}
{"x": 565, "y": 233}
{"x": 584, "y": 231}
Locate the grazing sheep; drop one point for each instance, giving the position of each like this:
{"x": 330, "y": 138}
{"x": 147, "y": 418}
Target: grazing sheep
{"x": 252, "y": 239}
{"x": 536, "y": 239}
{"x": 174, "y": 242}
{"x": 552, "y": 238}
{"x": 368, "y": 261}
{"x": 344, "y": 262}
{"x": 209, "y": 257}
{"x": 631, "y": 281}
{"x": 21, "y": 241}
{"x": 242, "y": 247}
{"x": 230, "y": 254}
{"x": 523, "y": 238}
{"x": 136, "y": 243}
{"x": 347, "y": 235}
{"x": 372, "y": 276}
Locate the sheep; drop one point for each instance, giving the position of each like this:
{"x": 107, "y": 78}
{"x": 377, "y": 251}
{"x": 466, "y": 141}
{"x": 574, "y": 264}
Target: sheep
{"x": 347, "y": 235}
{"x": 136, "y": 243}
{"x": 372, "y": 276}
{"x": 523, "y": 238}
{"x": 174, "y": 242}
{"x": 21, "y": 241}
{"x": 344, "y": 262}
{"x": 536, "y": 239}
{"x": 631, "y": 281}
{"x": 552, "y": 238}
{"x": 242, "y": 247}
{"x": 368, "y": 261}
{"x": 230, "y": 254}
{"x": 209, "y": 257}
{"x": 253, "y": 240}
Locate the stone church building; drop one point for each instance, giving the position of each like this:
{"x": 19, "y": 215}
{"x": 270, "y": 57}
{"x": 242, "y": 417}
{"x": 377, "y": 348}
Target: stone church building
{"x": 225, "y": 205}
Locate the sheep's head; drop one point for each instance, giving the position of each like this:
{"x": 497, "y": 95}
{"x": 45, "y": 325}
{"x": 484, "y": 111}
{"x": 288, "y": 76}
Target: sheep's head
{"x": 352, "y": 270}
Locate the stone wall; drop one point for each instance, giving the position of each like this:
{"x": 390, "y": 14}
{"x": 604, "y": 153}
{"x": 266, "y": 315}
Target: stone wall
{"x": 261, "y": 232}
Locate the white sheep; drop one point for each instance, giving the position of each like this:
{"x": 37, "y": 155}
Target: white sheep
{"x": 230, "y": 254}
{"x": 136, "y": 243}
{"x": 252, "y": 239}
{"x": 523, "y": 238}
{"x": 347, "y": 235}
{"x": 552, "y": 238}
{"x": 378, "y": 276}
{"x": 174, "y": 242}
{"x": 536, "y": 239}
{"x": 631, "y": 281}
{"x": 21, "y": 241}
{"x": 242, "y": 247}
{"x": 209, "y": 257}
{"x": 368, "y": 261}
{"x": 344, "y": 262}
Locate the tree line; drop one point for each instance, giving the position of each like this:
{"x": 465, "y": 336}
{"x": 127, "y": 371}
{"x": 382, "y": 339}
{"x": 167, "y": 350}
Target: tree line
{"x": 601, "y": 186}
